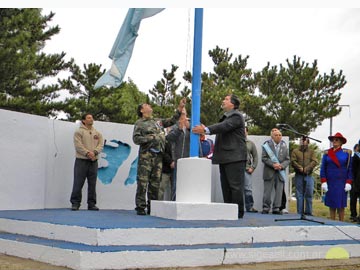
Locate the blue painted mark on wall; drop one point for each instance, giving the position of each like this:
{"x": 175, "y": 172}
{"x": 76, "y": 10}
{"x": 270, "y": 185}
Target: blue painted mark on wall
{"x": 132, "y": 173}
{"x": 111, "y": 158}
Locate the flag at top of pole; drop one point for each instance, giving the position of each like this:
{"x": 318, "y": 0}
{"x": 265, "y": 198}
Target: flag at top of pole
{"x": 123, "y": 46}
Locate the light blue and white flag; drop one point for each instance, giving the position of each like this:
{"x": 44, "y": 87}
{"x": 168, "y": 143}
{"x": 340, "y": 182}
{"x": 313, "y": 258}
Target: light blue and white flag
{"x": 274, "y": 159}
{"x": 123, "y": 46}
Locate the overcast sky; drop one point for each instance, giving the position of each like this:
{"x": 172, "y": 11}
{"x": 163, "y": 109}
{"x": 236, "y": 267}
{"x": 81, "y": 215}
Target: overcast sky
{"x": 332, "y": 36}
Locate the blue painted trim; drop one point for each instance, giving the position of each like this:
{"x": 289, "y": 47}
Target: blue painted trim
{"x": 90, "y": 248}
{"x": 124, "y": 219}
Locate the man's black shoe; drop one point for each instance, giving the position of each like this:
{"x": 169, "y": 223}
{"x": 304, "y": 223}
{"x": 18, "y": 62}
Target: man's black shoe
{"x": 252, "y": 210}
{"x": 141, "y": 212}
{"x": 75, "y": 207}
{"x": 93, "y": 208}
{"x": 265, "y": 212}
{"x": 276, "y": 213}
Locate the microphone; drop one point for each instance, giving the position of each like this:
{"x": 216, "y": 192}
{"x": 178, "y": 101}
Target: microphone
{"x": 281, "y": 125}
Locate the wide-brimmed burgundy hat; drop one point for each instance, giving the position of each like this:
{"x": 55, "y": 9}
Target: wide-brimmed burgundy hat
{"x": 338, "y": 135}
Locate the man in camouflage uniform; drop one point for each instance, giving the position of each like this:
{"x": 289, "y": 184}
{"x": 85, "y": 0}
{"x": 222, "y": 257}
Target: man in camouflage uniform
{"x": 149, "y": 135}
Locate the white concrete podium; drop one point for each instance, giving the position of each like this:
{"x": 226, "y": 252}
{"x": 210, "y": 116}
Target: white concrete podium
{"x": 193, "y": 195}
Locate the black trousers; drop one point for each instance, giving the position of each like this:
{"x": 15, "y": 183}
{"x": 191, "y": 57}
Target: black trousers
{"x": 232, "y": 178}
{"x": 84, "y": 169}
{"x": 354, "y": 198}
{"x": 283, "y": 200}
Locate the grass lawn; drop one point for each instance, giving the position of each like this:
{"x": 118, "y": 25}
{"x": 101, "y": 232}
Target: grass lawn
{"x": 320, "y": 210}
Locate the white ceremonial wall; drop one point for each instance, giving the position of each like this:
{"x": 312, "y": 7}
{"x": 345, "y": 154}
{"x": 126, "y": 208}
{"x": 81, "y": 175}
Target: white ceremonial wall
{"x": 37, "y": 158}
{"x": 23, "y": 146}
{"x": 117, "y": 195}
{"x": 37, "y": 162}
{"x": 59, "y": 163}
{"x": 61, "y": 156}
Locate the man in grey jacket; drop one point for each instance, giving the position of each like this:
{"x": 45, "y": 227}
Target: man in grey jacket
{"x": 275, "y": 156}
{"x": 229, "y": 151}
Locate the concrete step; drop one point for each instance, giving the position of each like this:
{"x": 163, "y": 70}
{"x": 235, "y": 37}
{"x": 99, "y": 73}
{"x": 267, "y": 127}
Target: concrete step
{"x": 119, "y": 239}
{"x": 88, "y": 257}
{"x": 122, "y": 227}
{"x": 177, "y": 235}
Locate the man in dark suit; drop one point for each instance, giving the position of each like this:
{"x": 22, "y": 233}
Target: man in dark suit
{"x": 275, "y": 156}
{"x": 229, "y": 151}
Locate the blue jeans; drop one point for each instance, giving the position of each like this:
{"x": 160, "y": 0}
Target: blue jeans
{"x": 301, "y": 195}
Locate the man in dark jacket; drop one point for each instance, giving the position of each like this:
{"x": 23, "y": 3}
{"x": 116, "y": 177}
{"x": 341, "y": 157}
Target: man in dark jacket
{"x": 179, "y": 136}
{"x": 229, "y": 151}
{"x": 355, "y": 186}
{"x": 166, "y": 176}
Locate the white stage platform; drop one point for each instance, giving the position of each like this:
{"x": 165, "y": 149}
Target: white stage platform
{"x": 119, "y": 239}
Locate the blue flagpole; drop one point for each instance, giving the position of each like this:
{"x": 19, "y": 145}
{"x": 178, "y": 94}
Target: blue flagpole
{"x": 196, "y": 82}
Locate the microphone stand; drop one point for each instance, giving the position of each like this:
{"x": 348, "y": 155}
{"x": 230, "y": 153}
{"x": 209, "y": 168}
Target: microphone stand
{"x": 302, "y": 216}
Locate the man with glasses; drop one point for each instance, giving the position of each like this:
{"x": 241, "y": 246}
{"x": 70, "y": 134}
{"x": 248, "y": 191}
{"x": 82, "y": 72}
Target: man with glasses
{"x": 275, "y": 156}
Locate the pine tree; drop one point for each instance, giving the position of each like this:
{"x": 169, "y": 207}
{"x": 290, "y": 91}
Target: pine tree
{"x": 23, "y": 65}
{"x": 296, "y": 95}
{"x": 106, "y": 104}
{"x": 164, "y": 96}
{"x": 229, "y": 76}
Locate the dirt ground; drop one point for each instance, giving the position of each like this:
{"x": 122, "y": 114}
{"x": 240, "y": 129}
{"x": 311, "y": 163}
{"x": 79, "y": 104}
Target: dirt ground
{"x": 15, "y": 263}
